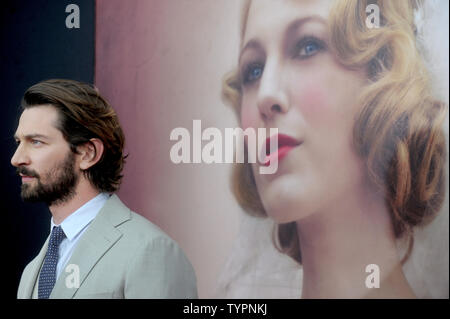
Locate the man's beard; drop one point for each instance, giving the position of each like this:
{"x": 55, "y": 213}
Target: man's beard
{"x": 60, "y": 185}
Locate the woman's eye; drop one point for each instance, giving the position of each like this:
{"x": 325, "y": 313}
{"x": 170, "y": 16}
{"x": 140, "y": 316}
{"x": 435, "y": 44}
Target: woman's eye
{"x": 308, "y": 47}
{"x": 252, "y": 73}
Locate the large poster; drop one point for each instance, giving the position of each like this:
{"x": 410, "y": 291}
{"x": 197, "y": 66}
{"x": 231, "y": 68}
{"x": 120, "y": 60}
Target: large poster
{"x": 290, "y": 149}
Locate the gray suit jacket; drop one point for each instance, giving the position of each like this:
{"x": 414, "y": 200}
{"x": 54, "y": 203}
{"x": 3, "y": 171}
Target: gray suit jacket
{"x": 121, "y": 255}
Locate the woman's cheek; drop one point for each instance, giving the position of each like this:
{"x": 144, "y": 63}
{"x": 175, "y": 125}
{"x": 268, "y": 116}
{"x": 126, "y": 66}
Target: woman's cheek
{"x": 314, "y": 104}
{"x": 249, "y": 117}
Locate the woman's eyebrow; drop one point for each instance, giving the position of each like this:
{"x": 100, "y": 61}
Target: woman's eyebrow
{"x": 252, "y": 44}
{"x": 294, "y": 25}
{"x": 298, "y": 23}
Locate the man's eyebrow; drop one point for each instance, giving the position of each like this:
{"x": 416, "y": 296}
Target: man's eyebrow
{"x": 254, "y": 43}
{"x": 32, "y": 136}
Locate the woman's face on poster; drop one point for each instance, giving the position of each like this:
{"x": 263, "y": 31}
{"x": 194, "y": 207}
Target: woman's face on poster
{"x": 291, "y": 80}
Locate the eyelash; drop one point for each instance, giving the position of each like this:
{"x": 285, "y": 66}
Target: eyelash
{"x": 36, "y": 142}
{"x": 301, "y": 45}
{"x": 32, "y": 142}
{"x": 308, "y": 40}
{"x": 248, "y": 69}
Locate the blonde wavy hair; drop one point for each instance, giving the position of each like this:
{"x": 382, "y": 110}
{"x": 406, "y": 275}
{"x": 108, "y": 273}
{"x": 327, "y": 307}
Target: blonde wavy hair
{"x": 398, "y": 131}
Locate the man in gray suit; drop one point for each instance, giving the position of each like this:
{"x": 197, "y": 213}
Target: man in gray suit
{"x": 70, "y": 155}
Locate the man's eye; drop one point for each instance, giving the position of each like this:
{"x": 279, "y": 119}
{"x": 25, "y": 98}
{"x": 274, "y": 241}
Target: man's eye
{"x": 252, "y": 73}
{"x": 308, "y": 46}
{"x": 36, "y": 142}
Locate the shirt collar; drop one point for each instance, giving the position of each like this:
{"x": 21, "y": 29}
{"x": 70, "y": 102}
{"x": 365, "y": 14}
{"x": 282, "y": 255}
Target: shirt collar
{"x": 79, "y": 219}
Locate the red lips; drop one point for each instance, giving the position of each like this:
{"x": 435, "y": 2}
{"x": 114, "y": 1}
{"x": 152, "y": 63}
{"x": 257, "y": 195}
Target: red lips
{"x": 285, "y": 144}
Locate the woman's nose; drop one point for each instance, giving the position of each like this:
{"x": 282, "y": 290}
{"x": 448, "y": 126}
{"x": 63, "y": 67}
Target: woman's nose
{"x": 272, "y": 99}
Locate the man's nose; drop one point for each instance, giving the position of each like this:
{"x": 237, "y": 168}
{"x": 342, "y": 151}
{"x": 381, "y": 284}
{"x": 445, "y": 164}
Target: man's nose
{"x": 272, "y": 98}
{"x": 20, "y": 157}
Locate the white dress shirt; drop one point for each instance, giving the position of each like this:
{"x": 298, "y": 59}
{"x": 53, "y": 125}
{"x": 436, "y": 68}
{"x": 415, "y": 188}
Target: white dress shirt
{"x": 74, "y": 226}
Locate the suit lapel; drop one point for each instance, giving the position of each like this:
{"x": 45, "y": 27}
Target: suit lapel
{"x": 101, "y": 235}
{"x": 35, "y": 268}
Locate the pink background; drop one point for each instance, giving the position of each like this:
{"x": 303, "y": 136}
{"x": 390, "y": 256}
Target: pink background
{"x": 160, "y": 65}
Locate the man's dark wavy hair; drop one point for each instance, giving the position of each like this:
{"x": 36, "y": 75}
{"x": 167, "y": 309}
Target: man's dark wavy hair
{"x": 84, "y": 114}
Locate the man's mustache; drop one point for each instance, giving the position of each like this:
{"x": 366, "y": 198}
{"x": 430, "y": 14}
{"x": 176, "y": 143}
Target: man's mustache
{"x": 27, "y": 172}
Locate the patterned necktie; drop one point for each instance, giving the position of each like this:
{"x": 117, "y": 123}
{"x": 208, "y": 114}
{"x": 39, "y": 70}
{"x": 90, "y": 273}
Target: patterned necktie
{"x": 47, "y": 278}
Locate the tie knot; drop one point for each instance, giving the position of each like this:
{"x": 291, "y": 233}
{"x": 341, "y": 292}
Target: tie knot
{"x": 56, "y": 236}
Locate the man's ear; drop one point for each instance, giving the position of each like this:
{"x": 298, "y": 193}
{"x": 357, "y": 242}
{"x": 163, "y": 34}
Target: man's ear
{"x": 90, "y": 153}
